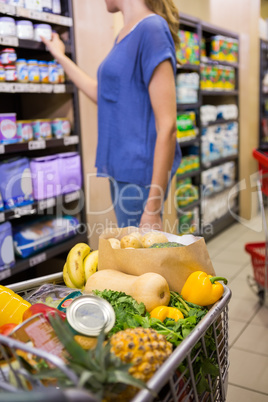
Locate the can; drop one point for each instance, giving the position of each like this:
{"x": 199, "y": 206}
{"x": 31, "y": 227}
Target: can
{"x": 8, "y": 56}
{"x": 53, "y": 72}
{"x": 24, "y": 130}
{"x": 61, "y": 127}
{"x": 10, "y": 73}
{"x": 42, "y": 129}
{"x": 89, "y": 314}
{"x": 33, "y": 71}
{"x": 43, "y": 72}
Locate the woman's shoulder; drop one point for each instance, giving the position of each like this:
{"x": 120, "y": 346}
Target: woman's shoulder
{"x": 154, "y": 21}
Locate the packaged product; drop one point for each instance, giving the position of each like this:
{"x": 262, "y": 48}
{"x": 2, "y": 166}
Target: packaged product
{"x": 217, "y": 51}
{"x": 10, "y": 73}
{"x": 188, "y": 223}
{"x": 2, "y": 73}
{"x": 16, "y": 184}
{"x": 61, "y": 74}
{"x": 43, "y": 72}
{"x": 24, "y": 130}
{"x": 7, "y": 258}
{"x": 8, "y": 128}
{"x": 47, "y": 6}
{"x": 17, "y": 3}
{"x": 70, "y": 172}
{"x": 42, "y": 233}
{"x": 44, "y": 30}
{"x": 25, "y": 29}
{"x": 7, "y": 26}
{"x": 61, "y": 127}
{"x": 42, "y": 129}
{"x": 45, "y": 177}
{"x": 33, "y": 71}
{"x": 8, "y": 56}
{"x": 53, "y": 72}
{"x": 22, "y": 70}
{"x": 33, "y": 4}
{"x": 56, "y": 6}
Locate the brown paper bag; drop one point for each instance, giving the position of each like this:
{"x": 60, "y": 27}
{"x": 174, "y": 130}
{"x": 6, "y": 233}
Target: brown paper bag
{"x": 175, "y": 264}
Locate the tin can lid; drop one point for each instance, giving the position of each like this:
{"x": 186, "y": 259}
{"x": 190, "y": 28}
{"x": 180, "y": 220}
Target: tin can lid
{"x": 89, "y": 314}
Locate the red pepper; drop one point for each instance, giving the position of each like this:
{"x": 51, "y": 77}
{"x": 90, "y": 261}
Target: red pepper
{"x": 44, "y": 309}
{"x": 7, "y": 328}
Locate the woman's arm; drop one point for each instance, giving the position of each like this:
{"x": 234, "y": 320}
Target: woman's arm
{"x": 85, "y": 83}
{"x": 163, "y": 99}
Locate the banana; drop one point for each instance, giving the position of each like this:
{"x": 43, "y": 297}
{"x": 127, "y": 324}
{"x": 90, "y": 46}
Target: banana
{"x": 66, "y": 278}
{"x": 91, "y": 264}
{"x": 75, "y": 266}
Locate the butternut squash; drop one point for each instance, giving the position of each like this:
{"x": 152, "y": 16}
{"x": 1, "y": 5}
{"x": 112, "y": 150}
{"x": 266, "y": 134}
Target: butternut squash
{"x": 150, "y": 288}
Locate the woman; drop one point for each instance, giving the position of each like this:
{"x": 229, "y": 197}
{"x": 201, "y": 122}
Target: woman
{"x": 136, "y": 97}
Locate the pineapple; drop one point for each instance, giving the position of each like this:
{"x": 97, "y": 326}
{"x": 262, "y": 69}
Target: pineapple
{"x": 143, "y": 348}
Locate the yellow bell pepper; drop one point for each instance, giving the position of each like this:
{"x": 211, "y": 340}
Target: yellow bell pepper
{"x": 163, "y": 312}
{"x": 203, "y": 289}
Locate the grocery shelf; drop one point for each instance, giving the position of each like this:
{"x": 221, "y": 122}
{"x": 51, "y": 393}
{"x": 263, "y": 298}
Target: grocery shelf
{"x": 36, "y": 15}
{"x": 192, "y": 173}
{"x": 219, "y": 63}
{"x": 191, "y": 141}
{"x": 182, "y": 210}
{"x": 214, "y": 30}
{"x": 219, "y": 225}
{"x": 187, "y": 106}
{"x": 219, "y": 161}
{"x": 34, "y": 45}
{"x": 206, "y": 196}
{"x": 219, "y": 93}
{"x": 192, "y": 67}
{"x": 18, "y": 87}
{"x": 38, "y": 207}
{"x": 218, "y": 122}
{"x": 39, "y": 144}
{"x": 44, "y": 255}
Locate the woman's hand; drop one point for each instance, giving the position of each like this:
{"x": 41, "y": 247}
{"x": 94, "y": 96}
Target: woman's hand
{"x": 151, "y": 220}
{"x": 55, "y": 46}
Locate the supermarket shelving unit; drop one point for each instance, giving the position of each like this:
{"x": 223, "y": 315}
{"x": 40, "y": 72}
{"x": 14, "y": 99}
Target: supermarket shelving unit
{"x": 215, "y": 98}
{"x": 13, "y": 99}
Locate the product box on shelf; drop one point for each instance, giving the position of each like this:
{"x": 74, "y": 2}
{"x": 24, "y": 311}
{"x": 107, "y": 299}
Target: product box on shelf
{"x": 16, "y": 184}
{"x": 45, "y": 177}
{"x": 7, "y": 257}
{"x": 8, "y": 128}
{"x": 70, "y": 172}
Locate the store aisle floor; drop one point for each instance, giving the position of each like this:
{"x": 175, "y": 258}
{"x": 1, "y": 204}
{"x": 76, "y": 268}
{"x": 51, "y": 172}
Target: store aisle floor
{"x": 248, "y": 320}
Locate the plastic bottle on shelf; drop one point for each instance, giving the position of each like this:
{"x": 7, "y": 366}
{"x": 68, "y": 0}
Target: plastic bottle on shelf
{"x": 44, "y": 30}
{"x": 7, "y": 26}
{"x": 10, "y": 73}
{"x": 25, "y": 29}
{"x": 43, "y": 72}
{"x": 53, "y": 72}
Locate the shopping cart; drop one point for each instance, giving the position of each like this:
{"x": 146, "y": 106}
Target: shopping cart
{"x": 169, "y": 382}
{"x": 258, "y": 251}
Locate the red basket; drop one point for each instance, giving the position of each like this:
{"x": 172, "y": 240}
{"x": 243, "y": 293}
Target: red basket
{"x": 257, "y": 252}
{"x": 262, "y": 158}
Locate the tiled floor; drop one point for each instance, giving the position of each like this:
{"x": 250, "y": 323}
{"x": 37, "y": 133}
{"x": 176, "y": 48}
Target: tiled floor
{"x": 248, "y": 320}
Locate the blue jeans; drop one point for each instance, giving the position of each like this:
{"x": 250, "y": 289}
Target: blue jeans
{"x": 129, "y": 201}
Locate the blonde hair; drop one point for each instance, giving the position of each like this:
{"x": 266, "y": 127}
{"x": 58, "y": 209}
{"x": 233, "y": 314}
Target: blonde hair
{"x": 167, "y": 10}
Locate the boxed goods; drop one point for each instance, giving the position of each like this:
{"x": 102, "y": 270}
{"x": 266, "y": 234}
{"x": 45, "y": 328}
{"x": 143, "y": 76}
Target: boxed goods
{"x": 16, "y": 184}
{"x": 8, "y": 128}
{"x": 42, "y": 233}
{"x": 70, "y": 172}
{"x": 45, "y": 177}
{"x": 7, "y": 258}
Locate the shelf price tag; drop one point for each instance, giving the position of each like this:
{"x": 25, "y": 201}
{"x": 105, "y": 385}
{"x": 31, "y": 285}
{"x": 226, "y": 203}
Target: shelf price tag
{"x": 59, "y": 88}
{"x": 34, "y": 88}
{"x": 7, "y": 87}
{"x": 5, "y": 274}
{"x": 2, "y": 217}
{"x": 38, "y": 144}
{"x": 70, "y": 140}
{"x": 46, "y": 88}
{"x": 72, "y": 196}
{"x": 2, "y": 149}
{"x": 9, "y": 41}
{"x": 37, "y": 259}
{"x": 23, "y": 12}
{"x": 21, "y": 87}
{"x": 45, "y": 204}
